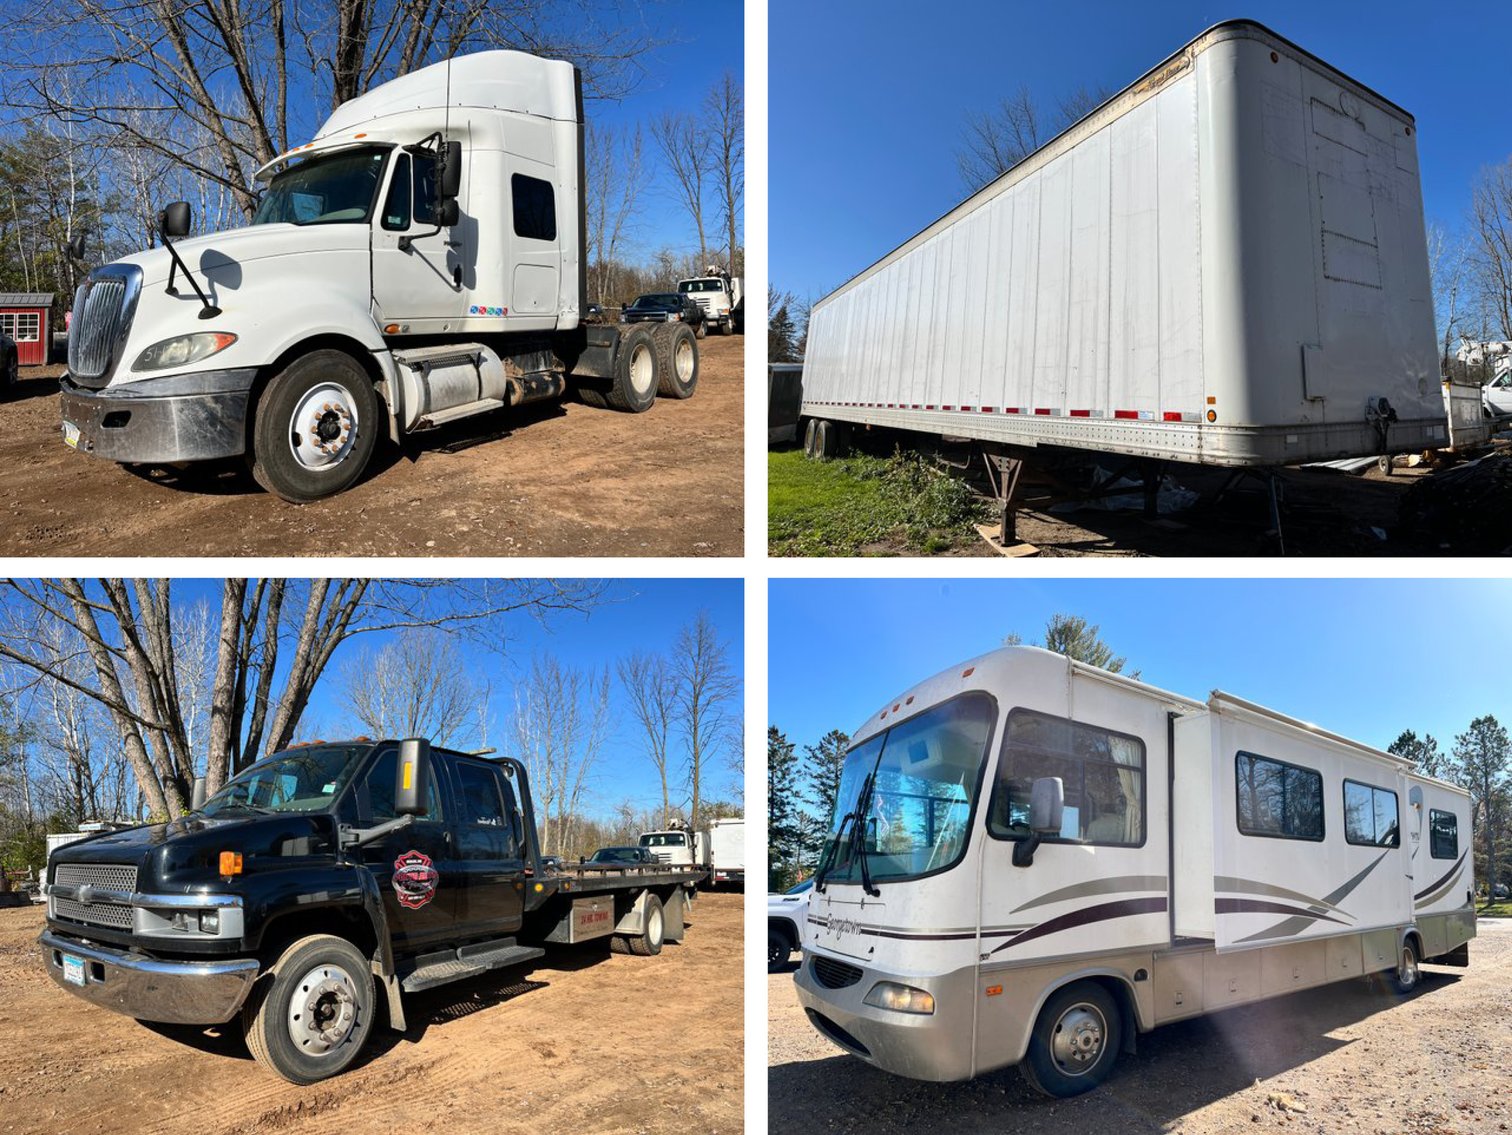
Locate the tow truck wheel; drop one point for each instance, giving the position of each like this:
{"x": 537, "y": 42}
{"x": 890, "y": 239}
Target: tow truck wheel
{"x": 649, "y": 940}
{"x": 676, "y": 360}
{"x": 314, "y": 1015}
{"x": 316, "y": 426}
{"x": 1075, "y": 1041}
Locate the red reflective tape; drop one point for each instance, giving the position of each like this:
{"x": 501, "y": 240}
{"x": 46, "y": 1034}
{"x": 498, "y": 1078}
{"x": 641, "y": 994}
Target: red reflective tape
{"x": 1126, "y": 414}
{"x": 1013, "y": 410}
{"x": 986, "y": 409}
{"x": 947, "y": 407}
{"x": 926, "y": 407}
{"x": 1041, "y": 410}
{"x": 966, "y": 409}
{"x": 1172, "y": 415}
{"x": 1081, "y": 413}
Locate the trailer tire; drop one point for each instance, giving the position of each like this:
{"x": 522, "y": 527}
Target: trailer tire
{"x": 329, "y": 393}
{"x": 1407, "y": 974}
{"x": 321, "y": 978}
{"x": 676, "y": 360}
{"x": 826, "y": 440}
{"x": 1075, "y": 1041}
{"x": 779, "y": 950}
{"x": 653, "y": 930}
{"x": 808, "y": 440}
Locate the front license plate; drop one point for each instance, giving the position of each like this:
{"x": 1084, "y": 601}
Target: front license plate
{"x": 71, "y": 438}
{"x": 73, "y": 970}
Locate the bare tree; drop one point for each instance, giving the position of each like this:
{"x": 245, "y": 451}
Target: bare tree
{"x": 654, "y": 704}
{"x": 615, "y": 177}
{"x": 685, "y": 148}
{"x": 708, "y": 702}
{"x": 1491, "y": 228}
{"x": 996, "y": 140}
{"x": 1447, "y": 260}
{"x": 726, "y": 114}
{"x": 415, "y": 685}
{"x": 561, "y": 721}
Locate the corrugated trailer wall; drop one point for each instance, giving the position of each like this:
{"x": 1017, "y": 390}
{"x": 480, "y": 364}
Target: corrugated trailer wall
{"x": 1199, "y": 245}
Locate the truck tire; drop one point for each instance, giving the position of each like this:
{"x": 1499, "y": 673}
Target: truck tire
{"x": 12, "y": 376}
{"x": 826, "y": 440}
{"x": 316, "y": 426}
{"x": 633, "y": 387}
{"x": 676, "y": 360}
{"x": 315, "y": 1012}
{"x": 654, "y": 925}
{"x": 1407, "y": 975}
{"x": 809, "y": 430}
{"x": 727, "y": 327}
{"x": 1075, "y": 1041}
{"x": 702, "y": 330}
{"x": 779, "y": 950}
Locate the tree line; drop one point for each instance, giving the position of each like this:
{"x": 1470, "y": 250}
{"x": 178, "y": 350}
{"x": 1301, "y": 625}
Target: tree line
{"x": 115, "y": 695}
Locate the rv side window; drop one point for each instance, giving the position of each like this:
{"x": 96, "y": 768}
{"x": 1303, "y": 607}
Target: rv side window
{"x": 1102, "y": 773}
{"x": 534, "y": 208}
{"x": 1277, "y": 799}
{"x": 1370, "y": 815}
{"x": 1443, "y": 834}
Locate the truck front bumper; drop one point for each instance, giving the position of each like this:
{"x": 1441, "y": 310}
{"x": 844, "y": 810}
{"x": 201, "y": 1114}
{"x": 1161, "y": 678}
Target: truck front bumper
{"x": 182, "y": 417}
{"x": 178, "y": 993}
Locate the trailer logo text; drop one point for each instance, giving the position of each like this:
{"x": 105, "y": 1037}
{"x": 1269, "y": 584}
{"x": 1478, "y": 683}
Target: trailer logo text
{"x": 415, "y": 879}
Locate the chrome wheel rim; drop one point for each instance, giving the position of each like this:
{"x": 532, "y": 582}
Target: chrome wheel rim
{"x": 322, "y": 1010}
{"x": 1077, "y": 1042}
{"x": 1407, "y": 972}
{"x": 642, "y": 368}
{"x": 683, "y": 361}
{"x": 323, "y": 427}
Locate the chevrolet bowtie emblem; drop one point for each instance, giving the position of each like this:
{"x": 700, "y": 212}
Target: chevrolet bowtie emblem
{"x": 86, "y": 894}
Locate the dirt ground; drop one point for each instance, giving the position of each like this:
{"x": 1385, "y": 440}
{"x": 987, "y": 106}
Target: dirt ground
{"x": 584, "y": 1041}
{"x": 553, "y": 479}
{"x": 1354, "y": 1056}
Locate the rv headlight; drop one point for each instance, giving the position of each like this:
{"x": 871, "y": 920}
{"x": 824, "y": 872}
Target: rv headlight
{"x": 900, "y": 998}
{"x": 182, "y": 350}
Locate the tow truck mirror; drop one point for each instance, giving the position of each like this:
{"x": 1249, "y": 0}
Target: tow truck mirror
{"x": 174, "y": 220}
{"x": 412, "y": 778}
{"x": 197, "y": 794}
{"x": 1047, "y": 802}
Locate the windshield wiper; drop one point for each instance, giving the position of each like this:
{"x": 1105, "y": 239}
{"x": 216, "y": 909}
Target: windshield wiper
{"x": 831, "y": 852}
{"x": 245, "y": 807}
{"x": 858, "y": 835}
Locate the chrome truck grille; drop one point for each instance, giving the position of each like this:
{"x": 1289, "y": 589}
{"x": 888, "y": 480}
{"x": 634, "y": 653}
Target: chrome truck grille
{"x": 103, "y": 309}
{"x": 105, "y": 877}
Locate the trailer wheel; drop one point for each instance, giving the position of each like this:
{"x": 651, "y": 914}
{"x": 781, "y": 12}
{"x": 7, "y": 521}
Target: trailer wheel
{"x": 316, "y": 426}
{"x": 654, "y": 926}
{"x": 315, "y": 1014}
{"x": 779, "y": 950}
{"x": 1383, "y": 463}
{"x": 1407, "y": 973}
{"x": 809, "y": 430}
{"x": 676, "y": 360}
{"x": 1075, "y": 1041}
{"x": 826, "y": 440}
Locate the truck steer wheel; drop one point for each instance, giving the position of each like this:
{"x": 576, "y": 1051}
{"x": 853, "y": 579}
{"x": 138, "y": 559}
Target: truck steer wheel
{"x": 315, "y": 1015}
{"x": 676, "y": 360}
{"x": 1075, "y": 1041}
{"x": 316, "y": 427}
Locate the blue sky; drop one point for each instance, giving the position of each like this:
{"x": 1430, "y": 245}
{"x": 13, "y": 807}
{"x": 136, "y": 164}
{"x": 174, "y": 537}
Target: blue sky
{"x": 1365, "y": 658}
{"x": 868, "y": 98}
{"x": 640, "y": 614}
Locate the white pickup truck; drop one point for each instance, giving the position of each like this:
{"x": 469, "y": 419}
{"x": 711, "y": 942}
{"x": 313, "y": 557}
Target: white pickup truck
{"x": 421, "y": 260}
{"x": 1496, "y": 395}
{"x": 787, "y": 920}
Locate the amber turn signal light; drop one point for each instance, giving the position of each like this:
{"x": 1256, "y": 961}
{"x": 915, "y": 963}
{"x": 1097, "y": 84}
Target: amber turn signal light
{"x": 230, "y": 863}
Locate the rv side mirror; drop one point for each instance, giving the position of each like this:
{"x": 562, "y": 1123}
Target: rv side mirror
{"x": 197, "y": 795}
{"x": 1047, "y": 800}
{"x": 412, "y": 777}
{"x": 174, "y": 220}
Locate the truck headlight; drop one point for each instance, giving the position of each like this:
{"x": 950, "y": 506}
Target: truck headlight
{"x": 182, "y": 350}
{"x": 209, "y": 922}
{"x": 900, "y": 998}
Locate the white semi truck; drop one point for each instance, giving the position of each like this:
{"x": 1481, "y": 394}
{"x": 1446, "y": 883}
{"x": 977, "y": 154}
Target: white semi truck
{"x": 721, "y": 297}
{"x": 420, "y": 261}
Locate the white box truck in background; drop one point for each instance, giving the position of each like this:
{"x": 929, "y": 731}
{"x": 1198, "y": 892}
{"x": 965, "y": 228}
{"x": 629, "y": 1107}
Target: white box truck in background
{"x": 420, "y": 261}
{"x": 1031, "y": 859}
{"x": 720, "y": 848}
{"x": 1224, "y": 263}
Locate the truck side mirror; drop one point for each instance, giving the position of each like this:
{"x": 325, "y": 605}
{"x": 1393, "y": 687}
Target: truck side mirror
{"x": 1047, "y": 802}
{"x": 76, "y": 246}
{"x": 197, "y": 794}
{"x": 412, "y": 778}
{"x": 174, "y": 220}
{"x": 448, "y": 183}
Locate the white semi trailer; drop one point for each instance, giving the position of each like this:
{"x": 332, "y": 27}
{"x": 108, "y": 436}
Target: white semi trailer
{"x": 1224, "y": 263}
{"x": 420, "y": 261}
{"x": 1032, "y": 860}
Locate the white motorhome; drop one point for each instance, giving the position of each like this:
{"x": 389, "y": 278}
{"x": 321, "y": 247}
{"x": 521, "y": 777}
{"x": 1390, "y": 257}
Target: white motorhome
{"x": 421, "y": 260}
{"x": 721, "y": 297}
{"x": 1224, "y": 263}
{"x": 1032, "y": 860}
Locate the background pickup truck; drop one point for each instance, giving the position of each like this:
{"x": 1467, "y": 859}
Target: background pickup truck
{"x": 323, "y": 880}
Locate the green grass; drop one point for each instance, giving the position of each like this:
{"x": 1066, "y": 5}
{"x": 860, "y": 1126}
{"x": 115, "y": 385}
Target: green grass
{"x": 861, "y": 504}
{"x": 1499, "y": 909}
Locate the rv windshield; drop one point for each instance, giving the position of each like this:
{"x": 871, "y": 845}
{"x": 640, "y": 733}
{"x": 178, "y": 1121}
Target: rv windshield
{"x": 924, "y": 774}
{"x": 326, "y": 189}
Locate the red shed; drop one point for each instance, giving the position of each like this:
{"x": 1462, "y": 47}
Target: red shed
{"x": 24, "y": 316}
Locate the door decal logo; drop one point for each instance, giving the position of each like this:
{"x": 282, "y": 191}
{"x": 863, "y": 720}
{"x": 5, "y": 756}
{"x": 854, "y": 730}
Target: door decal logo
{"x": 415, "y": 879}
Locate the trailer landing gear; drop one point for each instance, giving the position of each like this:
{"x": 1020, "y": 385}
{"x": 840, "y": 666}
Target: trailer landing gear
{"x": 1275, "y": 491}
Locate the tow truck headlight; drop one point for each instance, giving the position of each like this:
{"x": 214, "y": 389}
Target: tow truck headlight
{"x": 182, "y": 350}
{"x": 900, "y": 998}
{"x": 209, "y": 921}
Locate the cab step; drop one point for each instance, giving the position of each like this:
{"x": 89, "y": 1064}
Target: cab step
{"x": 446, "y": 966}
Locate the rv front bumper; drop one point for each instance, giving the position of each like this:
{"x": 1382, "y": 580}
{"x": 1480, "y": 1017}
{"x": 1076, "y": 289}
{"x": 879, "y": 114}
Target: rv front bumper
{"x": 935, "y": 1046}
{"x": 181, "y": 417}
{"x": 178, "y": 993}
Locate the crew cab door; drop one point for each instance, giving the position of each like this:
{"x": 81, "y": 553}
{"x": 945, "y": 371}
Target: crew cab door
{"x": 490, "y": 859}
{"x": 417, "y": 271}
{"x": 415, "y": 867}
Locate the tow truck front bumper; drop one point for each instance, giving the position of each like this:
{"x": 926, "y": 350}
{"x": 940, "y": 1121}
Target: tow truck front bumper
{"x": 181, "y": 417}
{"x": 179, "y": 993}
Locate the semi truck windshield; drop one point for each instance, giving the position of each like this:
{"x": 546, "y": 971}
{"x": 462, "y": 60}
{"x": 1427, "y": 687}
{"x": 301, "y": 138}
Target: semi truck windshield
{"x": 924, "y": 774}
{"x": 337, "y": 188}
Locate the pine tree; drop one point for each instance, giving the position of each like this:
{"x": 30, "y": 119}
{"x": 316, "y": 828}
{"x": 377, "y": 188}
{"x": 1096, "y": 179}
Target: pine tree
{"x": 1424, "y": 752}
{"x": 1484, "y": 756}
{"x": 784, "y": 834}
{"x": 823, "y": 763}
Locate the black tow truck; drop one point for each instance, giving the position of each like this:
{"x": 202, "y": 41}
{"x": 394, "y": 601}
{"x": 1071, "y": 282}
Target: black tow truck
{"x": 324, "y": 880}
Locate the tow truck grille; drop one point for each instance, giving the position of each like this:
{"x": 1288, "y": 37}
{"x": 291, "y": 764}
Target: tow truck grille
{"x": 106, "y": 877}
{"x": 832, "y": 974}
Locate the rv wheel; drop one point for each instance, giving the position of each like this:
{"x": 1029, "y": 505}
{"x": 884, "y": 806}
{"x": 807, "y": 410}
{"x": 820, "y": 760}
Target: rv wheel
{"x": 1407, "y": 973}
{"x": 1075, "y": 1041}
{"x": 316, "y": 427}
